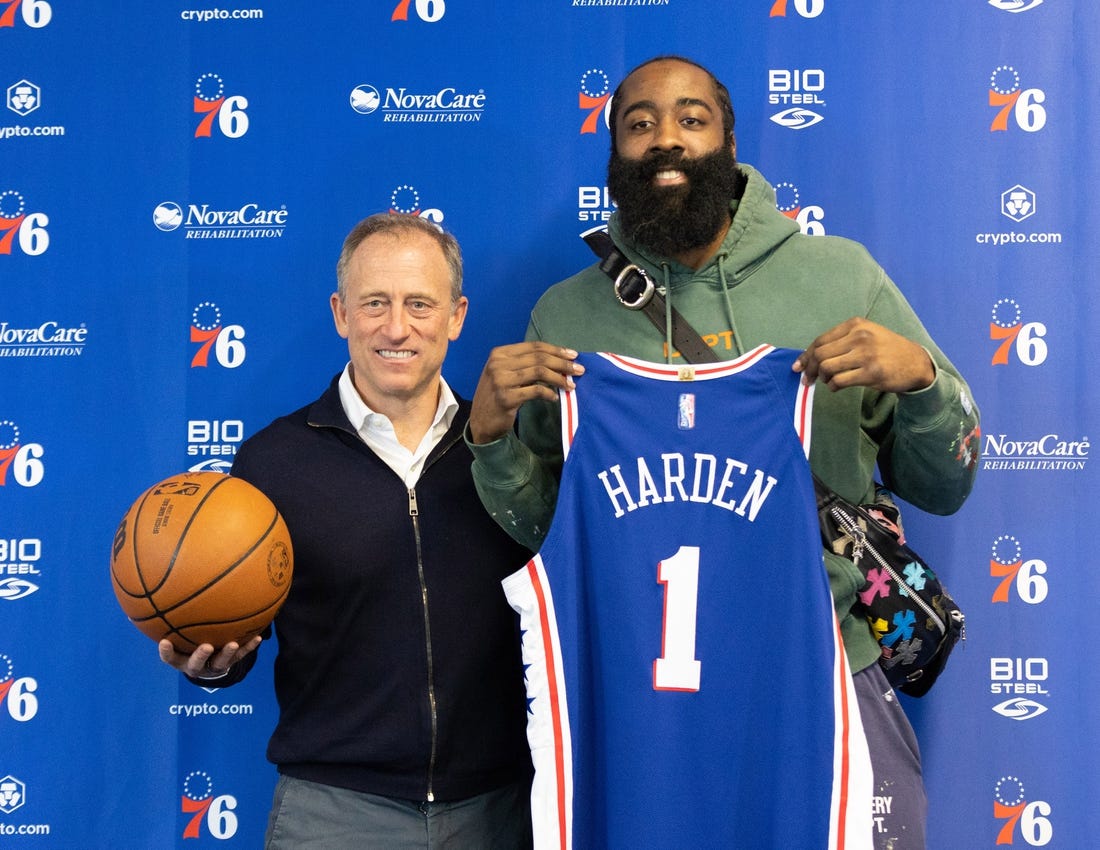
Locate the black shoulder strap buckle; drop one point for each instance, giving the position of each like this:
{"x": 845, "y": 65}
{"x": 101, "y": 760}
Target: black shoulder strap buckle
{"x": 635, "y": 290}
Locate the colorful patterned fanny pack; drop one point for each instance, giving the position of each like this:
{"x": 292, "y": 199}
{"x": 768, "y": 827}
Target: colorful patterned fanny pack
{"x": 916, "y": 621}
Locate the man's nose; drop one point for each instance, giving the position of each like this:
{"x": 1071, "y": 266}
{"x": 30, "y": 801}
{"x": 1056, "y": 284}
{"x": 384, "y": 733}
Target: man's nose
{"x": 397, "y": 322}
{"x": 668, "y": 136}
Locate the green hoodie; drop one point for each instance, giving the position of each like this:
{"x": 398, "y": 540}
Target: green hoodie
{"x": 767, "y": 283}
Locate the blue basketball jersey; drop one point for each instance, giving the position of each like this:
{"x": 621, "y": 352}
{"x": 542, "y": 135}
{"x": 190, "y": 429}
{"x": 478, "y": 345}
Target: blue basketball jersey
{"x": 686, "y": 683}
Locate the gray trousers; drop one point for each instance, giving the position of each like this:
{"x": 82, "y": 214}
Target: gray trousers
{"x": 900, "y": 807}
{"x": 309, "y": 816}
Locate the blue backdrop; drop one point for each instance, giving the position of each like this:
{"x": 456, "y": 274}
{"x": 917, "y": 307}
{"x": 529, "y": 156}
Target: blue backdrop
{"x": 175, "y": 184}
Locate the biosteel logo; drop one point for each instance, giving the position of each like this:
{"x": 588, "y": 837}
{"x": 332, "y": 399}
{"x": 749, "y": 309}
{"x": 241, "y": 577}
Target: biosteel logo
{"x": 789, "y": 202}
{"x": 594, "y": 99}
{"x": 20, "y": 559}
{"x": 1014, "y": 5}
{"x": 797, "y": 89}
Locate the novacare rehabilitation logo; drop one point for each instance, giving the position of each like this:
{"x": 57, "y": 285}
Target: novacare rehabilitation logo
{"x": 250, "y": 220}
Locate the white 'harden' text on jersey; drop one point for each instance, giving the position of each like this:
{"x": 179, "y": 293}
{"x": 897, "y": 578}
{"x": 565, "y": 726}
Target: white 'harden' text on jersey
{"x": 702, "y": 486}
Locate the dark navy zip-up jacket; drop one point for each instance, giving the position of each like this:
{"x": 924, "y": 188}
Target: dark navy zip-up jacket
{"x": 398, "y": 669}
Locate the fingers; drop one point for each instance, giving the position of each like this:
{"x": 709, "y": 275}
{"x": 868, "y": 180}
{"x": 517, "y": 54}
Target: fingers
{"x": 861, "y": 353}
{"x": 205, "y": 661}
{"x": 514, "y": 375}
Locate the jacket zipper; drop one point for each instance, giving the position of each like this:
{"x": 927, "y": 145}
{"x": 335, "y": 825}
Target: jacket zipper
{"x": 414, "y": 513}
{"x": 861, "y": 546}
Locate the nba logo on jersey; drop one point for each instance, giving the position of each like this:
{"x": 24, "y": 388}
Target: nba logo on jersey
{"x": 686, "y": 410}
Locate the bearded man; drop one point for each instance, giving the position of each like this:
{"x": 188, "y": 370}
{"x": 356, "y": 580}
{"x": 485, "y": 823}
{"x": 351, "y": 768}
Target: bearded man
{"x": 706, "y": 229}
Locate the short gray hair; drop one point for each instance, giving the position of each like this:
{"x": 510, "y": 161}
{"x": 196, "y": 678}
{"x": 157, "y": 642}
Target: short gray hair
{"x": 400, "y": 224}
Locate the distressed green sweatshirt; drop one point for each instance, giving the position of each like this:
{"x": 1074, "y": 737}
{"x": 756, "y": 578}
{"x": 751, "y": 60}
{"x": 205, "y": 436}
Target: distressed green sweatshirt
{"x": 767, "y": 283}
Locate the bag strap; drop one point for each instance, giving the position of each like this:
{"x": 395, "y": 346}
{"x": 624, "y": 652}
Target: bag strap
{"x": 635, "y": 290}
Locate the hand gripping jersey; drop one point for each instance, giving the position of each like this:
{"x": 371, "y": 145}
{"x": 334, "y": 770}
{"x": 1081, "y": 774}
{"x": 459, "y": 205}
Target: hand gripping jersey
{"x": 685, "y": 679}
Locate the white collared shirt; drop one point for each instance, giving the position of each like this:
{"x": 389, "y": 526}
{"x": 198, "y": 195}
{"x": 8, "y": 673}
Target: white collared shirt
{"x": 376, "y": 429}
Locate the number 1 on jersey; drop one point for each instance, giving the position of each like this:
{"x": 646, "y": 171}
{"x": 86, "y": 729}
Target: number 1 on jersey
{"x": 677, "y": 669}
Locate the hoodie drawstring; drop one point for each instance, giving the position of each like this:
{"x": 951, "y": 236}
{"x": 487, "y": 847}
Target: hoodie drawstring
{"x": 667, "y": 293}
{"x": 738, "y": 350}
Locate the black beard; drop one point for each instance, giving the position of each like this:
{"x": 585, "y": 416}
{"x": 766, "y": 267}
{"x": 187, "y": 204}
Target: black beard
{"x": 669, "y": 220}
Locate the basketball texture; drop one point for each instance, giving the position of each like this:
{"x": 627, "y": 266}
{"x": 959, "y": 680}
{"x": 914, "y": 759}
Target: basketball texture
{"x": 201, "y": 557}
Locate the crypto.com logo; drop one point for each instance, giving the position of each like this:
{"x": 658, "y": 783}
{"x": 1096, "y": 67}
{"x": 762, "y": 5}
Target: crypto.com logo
{"x": 788, "y": 202}
{"x": 405, "y": 200}
{"x": 1025, "y": 339}
{"x": 797, "y": 89}
{"x": 208, "y": 333}
{"x": 24, "y": 97}
{"x": 1010, "y": 805}
{"x": 13, "y": 794}
{"x": 217, "y": 813}
{"x": 30, "y": 228}
{"x": 23, "y": 461}
{"x": 1023, "y": 105}
{"x": 1014, "y": 5}
{"x": 595, "y": 98}
{"x": 1018, "y": 203}
{"x": 804, "y": 8}
{"x": 36, "y": 13}
{"x": 211, "y": 102}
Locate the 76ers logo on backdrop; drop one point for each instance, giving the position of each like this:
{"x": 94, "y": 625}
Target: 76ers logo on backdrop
{"x": 429, "y": 11}
{"x": 788, "y": 202}
{"x": 212, "y": 103}
{"x": 1022, "y": 105}
{"x": 1027, "y": 577}
{"x": 225, "y": 342}
{"x": 1033, "y": 819}
{"x": 804, "y": 8}
{"x": 20, "y": 228}
{"x": 17, "y": 695}
{"x": 217, "y": 813}
{"x": 1023, "y": 338}
{"x": 24, "y": 462}
{"x": 405, "y": 200}
{"x": 35, "y": 13}
{"x": 595, "y": 98}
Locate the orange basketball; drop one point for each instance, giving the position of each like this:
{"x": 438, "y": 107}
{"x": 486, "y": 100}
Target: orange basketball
{"x": 201, "y": 557}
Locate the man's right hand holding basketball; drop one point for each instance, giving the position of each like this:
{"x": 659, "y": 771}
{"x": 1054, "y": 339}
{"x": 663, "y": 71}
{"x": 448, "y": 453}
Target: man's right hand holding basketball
{"x": 514, "y": 374}
{"x": 206, "y": 662}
